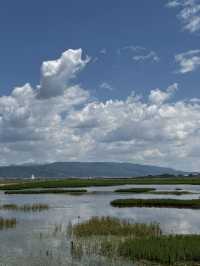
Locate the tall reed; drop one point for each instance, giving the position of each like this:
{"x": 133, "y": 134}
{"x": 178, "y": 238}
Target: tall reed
{"x": 7, "y": 223}
{"x": 26, "y": 207}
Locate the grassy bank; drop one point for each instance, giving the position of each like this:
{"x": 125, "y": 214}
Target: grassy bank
{"x": 47, "y": 191}
{"x": 143, "y": 244}
{"x": 99, "y": 182}
{"x": 135, "y": 190}
{"x": 158, "y": 203}
{"x": 26, "y": 207}
{"x": 7, "y": 223}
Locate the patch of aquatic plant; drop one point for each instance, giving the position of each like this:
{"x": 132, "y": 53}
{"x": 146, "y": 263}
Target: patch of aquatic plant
{"x": 176, "y": 192}
{"x": 6, "y": 223}
{"x": 48, "y": 191}
{"x": 26, "y": 207}
{"x": 143, "y": 244}
{"x": 106, "y": 226}
{"x": 167, "y": 250}
{"x": 135, "y": 190}
{"x": 49, "y": 183}
{"x": 159, "y": 203}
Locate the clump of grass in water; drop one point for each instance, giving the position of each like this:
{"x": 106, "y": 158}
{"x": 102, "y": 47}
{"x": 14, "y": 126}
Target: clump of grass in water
{"x": 176, "y": 193}
{"x": 26, "y": 207}
{"x": 167, "y": 250}
{"x": 135, "y": 190}
{"x": 48, "y": 191}
{"x": 7, "y": 223}
{"x": 148, "y": 247}
{"x": 113, "y": 226}
{"x": 157, "y": 203}
{"x": 101, "y": 236}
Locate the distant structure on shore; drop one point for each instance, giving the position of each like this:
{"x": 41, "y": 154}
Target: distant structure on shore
{"x": 32, "y": 177}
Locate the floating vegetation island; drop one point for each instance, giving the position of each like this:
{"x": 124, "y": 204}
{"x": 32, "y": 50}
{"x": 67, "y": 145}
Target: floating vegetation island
{"x": 157, "y": 203}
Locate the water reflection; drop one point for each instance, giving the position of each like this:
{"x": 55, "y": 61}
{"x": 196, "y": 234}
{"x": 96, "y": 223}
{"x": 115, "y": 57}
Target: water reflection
{"x": 26, "y": 240}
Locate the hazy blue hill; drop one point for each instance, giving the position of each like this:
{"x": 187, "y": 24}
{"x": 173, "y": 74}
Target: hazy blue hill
{"x": 83, "y": 169}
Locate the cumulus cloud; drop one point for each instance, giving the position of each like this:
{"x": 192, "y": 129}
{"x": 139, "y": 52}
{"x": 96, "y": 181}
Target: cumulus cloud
{"x": 158, "y": 97}
{"x": 70, "y": 125}
{"x": 189, "y": 13}
{"x": 188, "y": 61}
{"x": 56, "y": 74}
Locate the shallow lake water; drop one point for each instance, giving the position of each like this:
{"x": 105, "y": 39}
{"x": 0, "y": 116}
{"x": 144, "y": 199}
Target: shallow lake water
{"x": 34, "y": 235}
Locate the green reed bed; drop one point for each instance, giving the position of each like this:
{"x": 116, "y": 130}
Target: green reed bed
{"x": 26, "y": 207}
{"x": 167, "y": 250}
{"x": 135, "y": 190}
{"x": 48, "y": 191}
{"x": 112, "y": 226}
{"x": 157, "y": 203}
{"x": 143, "y": 244}
{"x": 7, "y": 223}
{"x": 58, "y": 183}
{"x": 176, "y": 192}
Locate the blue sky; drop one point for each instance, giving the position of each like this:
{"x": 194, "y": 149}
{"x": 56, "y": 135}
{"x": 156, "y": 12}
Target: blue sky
{"x": 144, "y": 48}
{"x": 34, "y": 31}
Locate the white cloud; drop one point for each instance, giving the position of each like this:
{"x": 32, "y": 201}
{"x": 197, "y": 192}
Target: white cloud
{"x": 189, "y": 13}
{"x": 103, "y": 51}
{"x": 140, "y": 54}
{"x": 149, "y": 56}
{"x": 173, "y": 3}
{"x": 159, "y": 97}
{"x": 106, "y": 85}
{"x": 188, "y": 61}
{"x": 56, "y": 74}
{"x": 72, "y": 126}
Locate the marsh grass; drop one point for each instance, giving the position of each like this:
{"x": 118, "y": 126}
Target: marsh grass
{"x": 106, "y": 226}
{"x": 49, "y": 183}
{"x": 142, "y": 244}
{"x": 26, "y": 207}
{"x": 135, "y": 190}
{"x": 7, "y": 223}
{"x": 157, "y": 203}
{"x": 167, "y": 250}
{"x": 176, "y": 192}
{"x": 48, "y": 191}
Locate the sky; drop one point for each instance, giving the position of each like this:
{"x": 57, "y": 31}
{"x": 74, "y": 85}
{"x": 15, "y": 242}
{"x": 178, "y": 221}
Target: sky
{"x": 100, "y": 81}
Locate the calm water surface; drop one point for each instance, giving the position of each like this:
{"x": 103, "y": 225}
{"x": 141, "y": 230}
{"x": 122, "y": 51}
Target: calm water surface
{"x": 34, "y": 235}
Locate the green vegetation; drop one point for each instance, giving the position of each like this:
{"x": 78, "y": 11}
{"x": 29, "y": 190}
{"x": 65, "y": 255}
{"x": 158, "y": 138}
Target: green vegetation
{"x": 7, "y": 223}
{"x": 167, "y": 250}
{"x": 158, "y": 203}
{"x": 143, "y": 244}
{"x": 152, "y": 191}
{"x": 135, "y": 190}
{"x": 112, "y": 226}
{"x": 47, "y": 191}
{"x": 26, "y": 207}
{"x": 61, "y": 183}
{"x": 176, "y": 192}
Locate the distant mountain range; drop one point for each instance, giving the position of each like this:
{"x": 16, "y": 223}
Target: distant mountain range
{"x": 83, "y": 169}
